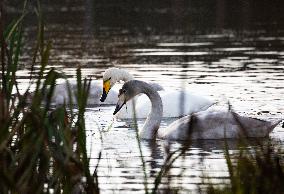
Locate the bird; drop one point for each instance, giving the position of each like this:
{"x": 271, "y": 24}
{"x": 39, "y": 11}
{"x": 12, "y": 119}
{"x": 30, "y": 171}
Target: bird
{"x": 61, "y": 93}
{"x": 113, "y": 75}
{"x": 172, "y": 99}
{"x": 200, "y": 125}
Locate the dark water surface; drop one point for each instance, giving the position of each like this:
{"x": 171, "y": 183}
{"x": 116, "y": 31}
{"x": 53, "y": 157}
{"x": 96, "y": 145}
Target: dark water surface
{"x": 229, "y": 52}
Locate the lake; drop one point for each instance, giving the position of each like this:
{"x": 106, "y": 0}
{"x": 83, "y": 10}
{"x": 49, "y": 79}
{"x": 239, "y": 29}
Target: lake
{"x": 227, "y": 52}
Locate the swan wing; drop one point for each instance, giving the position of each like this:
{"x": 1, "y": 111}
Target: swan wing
{"x": 216, "y": 125}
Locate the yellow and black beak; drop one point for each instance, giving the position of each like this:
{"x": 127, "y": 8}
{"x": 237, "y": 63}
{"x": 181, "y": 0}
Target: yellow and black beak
{"x": 106, "y": 88}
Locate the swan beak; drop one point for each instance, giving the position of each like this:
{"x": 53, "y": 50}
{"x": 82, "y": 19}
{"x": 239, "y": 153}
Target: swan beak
{"x": 106, "y": 88}
{"x": 118, "y": 107}
{"x": 104, "y": 95}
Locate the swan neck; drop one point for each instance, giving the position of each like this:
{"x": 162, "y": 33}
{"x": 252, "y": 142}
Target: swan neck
{"x": 153, "y": 120}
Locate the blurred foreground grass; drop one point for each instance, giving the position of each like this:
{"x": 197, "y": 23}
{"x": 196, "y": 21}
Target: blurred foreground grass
{"x": 254, "y": 170}
{"x": 42, "y": 149}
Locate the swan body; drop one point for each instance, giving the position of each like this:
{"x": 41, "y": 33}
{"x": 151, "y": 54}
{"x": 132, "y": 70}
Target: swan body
{"x": 176, "y": 103}
{"x": 200, "y": 125}
{"x": 216, "y": 125}
{"x": 173, "y": 101}
{"x": 61, "y": 95}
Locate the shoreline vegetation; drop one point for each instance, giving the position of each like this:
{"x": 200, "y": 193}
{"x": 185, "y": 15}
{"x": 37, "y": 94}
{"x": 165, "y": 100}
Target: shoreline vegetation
{"x": 43, "y": 148}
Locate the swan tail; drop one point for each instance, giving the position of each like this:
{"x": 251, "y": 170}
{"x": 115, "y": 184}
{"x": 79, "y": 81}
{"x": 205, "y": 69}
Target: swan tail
{"x": 273, "y": 125}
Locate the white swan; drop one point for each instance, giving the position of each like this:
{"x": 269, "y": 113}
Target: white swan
{"x": 61, "y": 95}
{"x": 172, "y": 100}
{"x": 113, "y": 75}
{"x": 201, "y": 125}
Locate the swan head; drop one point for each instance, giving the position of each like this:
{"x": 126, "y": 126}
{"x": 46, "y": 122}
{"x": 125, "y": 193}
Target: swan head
{"x": 129, "y": 90}
{"x": 110, "y": 77}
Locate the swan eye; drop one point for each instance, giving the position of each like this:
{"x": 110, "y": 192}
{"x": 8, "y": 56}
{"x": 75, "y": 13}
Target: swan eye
{"x": 124, "y": 91}
{"x": 121, "y": 91}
